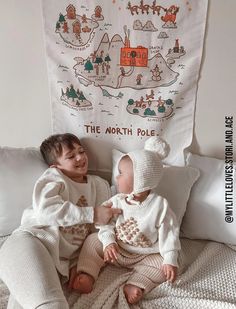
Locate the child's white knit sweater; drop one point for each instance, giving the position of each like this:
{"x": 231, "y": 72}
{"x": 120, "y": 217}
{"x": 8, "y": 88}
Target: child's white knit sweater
{"x": 62, "y": 213}
{"x": 144, "y": 228}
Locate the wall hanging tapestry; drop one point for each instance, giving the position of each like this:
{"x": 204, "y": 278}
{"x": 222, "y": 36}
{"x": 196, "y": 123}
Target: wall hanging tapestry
{"x": 122, "y": 71}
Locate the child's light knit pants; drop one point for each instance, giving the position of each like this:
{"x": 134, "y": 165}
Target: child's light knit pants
{"x": 147, "y": 272}
{"x": 28, "y": 270}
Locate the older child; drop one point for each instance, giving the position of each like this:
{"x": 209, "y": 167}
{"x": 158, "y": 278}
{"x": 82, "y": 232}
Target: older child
{"x": 144, "y": 237}
{"x": 54, "y": 228}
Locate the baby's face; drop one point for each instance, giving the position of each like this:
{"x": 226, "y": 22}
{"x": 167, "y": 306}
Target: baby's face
{"x": 73, "y": 162}
{"x": 125, "y": 178}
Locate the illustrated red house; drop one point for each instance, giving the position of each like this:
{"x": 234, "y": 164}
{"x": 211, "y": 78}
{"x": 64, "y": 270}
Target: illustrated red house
{"x": 76, "y": 27}
{"x": 71, "y": 12}
{"x": 98, "y": 11}
{"x": 134, "y": 56}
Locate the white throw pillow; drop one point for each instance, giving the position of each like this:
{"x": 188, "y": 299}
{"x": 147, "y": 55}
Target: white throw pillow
{"x": 175, "y": 185}
{"x": 19, "y": 170}
{"x": 206, "y": 216}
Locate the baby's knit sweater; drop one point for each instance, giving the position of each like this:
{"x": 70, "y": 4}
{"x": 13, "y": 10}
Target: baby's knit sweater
{"x": 144, "y": 228}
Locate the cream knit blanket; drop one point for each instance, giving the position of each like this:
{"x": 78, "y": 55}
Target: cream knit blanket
{"x": 208, "y": 281}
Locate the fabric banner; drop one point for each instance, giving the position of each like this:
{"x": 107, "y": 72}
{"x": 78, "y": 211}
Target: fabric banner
{"x": 122, "y": 71}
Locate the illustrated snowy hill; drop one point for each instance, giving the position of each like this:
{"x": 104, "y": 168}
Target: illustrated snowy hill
{"x": 103, "y": 68}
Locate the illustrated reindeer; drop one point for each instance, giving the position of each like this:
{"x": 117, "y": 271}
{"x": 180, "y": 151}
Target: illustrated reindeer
{"x": 133, "y": 8}
{"x": 144, "y": 7}
{"x": 138, "y": 103}
{"x": 170, "y": 14}
{"x": 155, "y": 8}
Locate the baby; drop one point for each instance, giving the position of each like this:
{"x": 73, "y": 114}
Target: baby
{"x": 144, "y": 238}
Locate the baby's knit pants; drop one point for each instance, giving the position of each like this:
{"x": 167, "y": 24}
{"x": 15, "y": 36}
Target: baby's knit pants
{"x": 28, "y": 270}
{"x": 147, "y": 272}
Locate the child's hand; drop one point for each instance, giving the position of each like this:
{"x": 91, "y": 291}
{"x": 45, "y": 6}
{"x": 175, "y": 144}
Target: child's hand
{"x": 170, "y": 272}
{"x": 103, "y": 214}
{"x": 111, "y": 252}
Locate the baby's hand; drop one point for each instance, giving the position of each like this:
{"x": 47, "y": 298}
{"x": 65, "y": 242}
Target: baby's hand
{"x": 111, "y": 252}
{"x": 103, "y": 214}
{"x": 170, "y": 272}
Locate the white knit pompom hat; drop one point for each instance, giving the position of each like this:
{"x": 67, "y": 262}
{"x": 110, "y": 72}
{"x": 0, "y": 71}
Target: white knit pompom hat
{"x": 147, "y": 164}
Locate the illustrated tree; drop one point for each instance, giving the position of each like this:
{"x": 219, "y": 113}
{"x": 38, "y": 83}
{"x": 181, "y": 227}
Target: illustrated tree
{"x": 61, "y": 18}
{"x": 107, "y": 58}
{"x": 149, "y": 112}
{"x": 161, "y": 109}
{"x": 169, "y": 102}
{"x": 88, "y": 66}
{"x": 72, "y": 93}
{"x": 58, "y": 26}
{"x": 131, "y": 102}
{"x": 81, "y": 96}
{"x": 67, "y": 92}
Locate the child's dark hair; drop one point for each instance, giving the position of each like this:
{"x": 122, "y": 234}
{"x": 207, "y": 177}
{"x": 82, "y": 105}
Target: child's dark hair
{"x": 51, "y": 147}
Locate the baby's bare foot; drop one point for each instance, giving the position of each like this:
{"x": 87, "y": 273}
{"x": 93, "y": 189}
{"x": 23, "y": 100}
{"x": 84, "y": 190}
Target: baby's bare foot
{"x": 83, "y": 283}
{"x": 133, "y": 293}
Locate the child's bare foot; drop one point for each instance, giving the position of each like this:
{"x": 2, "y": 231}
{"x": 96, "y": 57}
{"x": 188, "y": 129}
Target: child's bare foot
{"x": 133, "y": 293}
{"x": 83, "y": 283}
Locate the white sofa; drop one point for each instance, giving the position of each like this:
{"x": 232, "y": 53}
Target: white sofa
{"x": 195, "y": 193}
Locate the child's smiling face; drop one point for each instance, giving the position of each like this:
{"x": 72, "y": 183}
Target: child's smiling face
{"x": 73, "y": 162}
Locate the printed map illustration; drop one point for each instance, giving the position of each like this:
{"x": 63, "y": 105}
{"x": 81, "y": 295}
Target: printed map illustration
{"x": 115, "y": 62}
{"x": 121, "y": 71}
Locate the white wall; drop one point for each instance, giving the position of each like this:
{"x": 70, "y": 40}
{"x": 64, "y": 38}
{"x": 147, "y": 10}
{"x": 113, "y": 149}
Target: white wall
{"x": 217, "y": 84}
{"x": 24, "y": 95}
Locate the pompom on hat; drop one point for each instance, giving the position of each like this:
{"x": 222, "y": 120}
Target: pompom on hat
{"x": 147, "y": 164}
{"x": 158, "y": 145}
